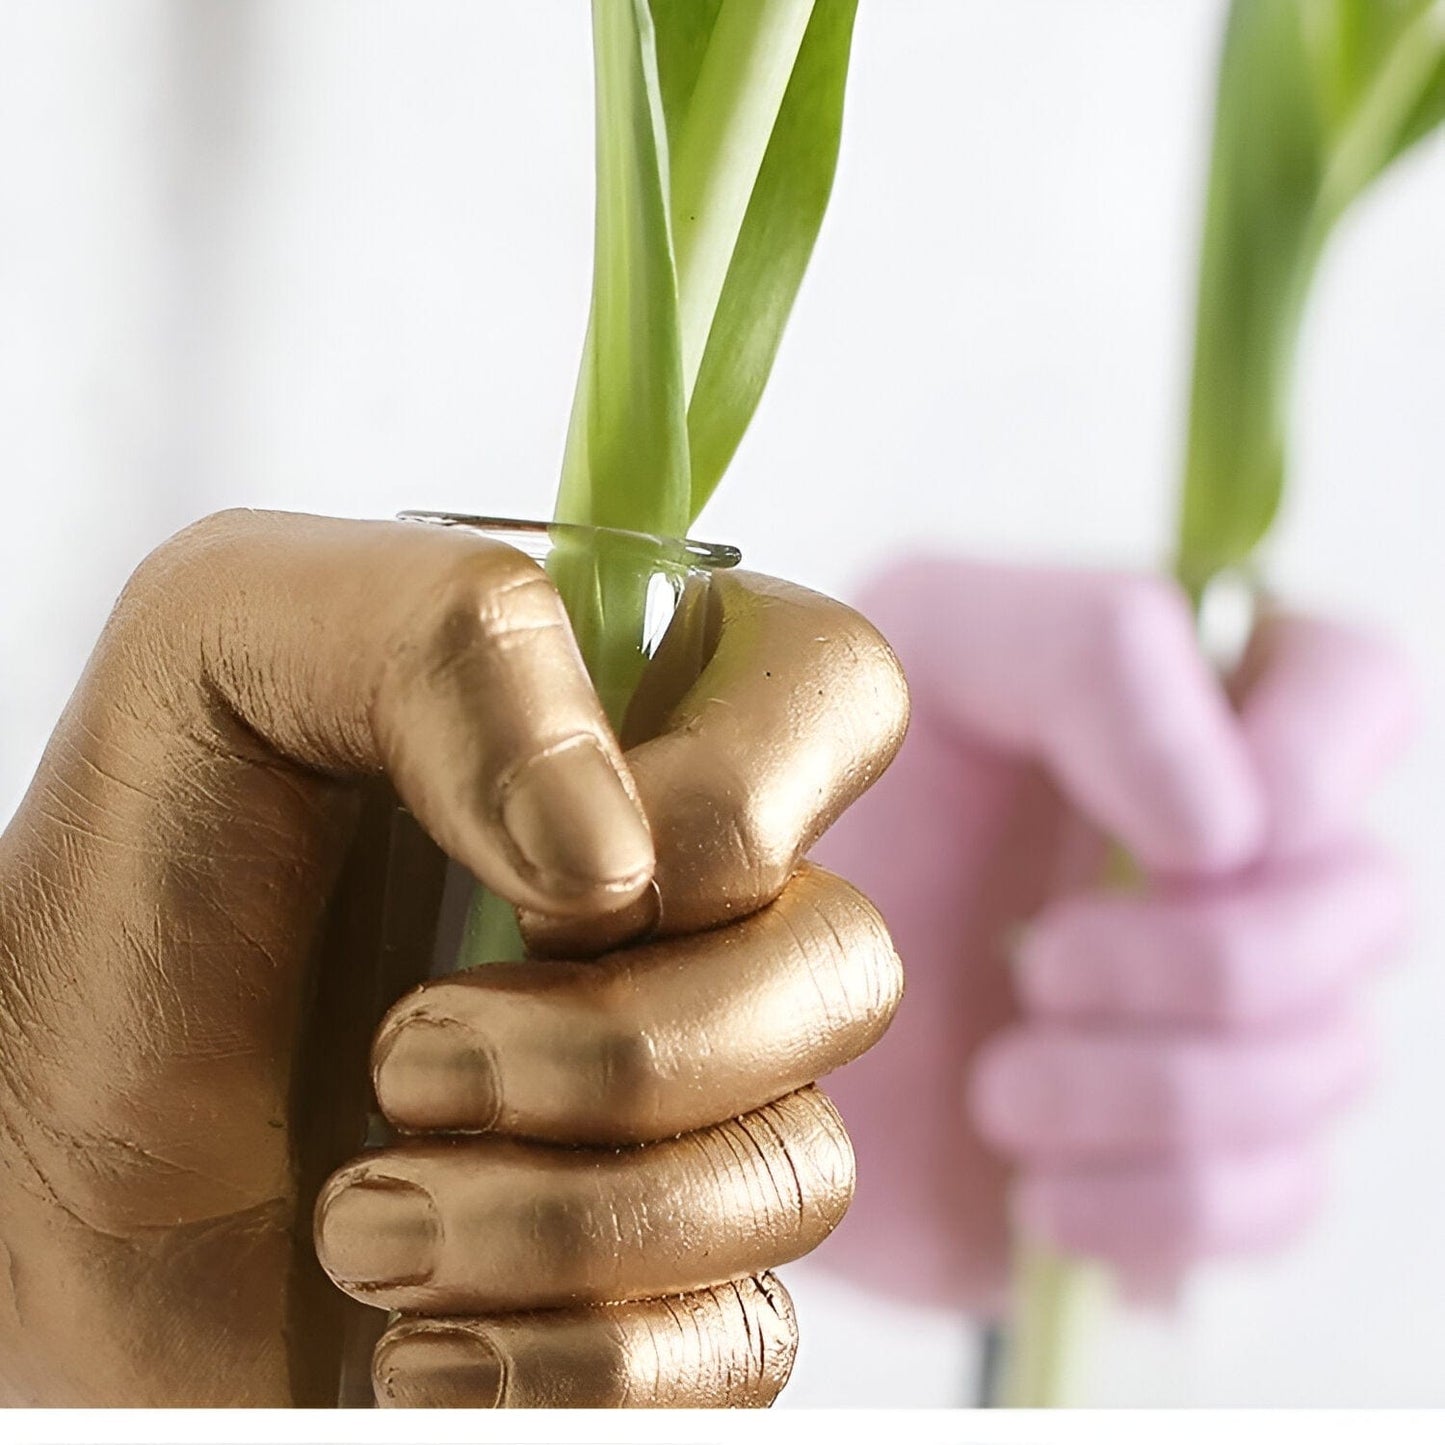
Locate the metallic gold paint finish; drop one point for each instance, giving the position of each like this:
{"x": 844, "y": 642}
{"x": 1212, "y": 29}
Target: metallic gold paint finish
{"x": 797, "y": 712}
{"x": 731, "y": 1345}
{"x": 178, "y": 894}
{"x": 533, "y": 1226}
{"x": 648, "y": 1042}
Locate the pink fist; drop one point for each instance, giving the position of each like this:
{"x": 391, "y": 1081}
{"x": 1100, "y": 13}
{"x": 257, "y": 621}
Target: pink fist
{"x": 1149, "y": 1074}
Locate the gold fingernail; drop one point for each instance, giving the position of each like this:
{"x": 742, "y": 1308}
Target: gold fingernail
{"x": 573, "y": 824}
{"x": 430, "y": 1074}
{"x": 440, "y": 1367}
{"x": 378, "y": 1231}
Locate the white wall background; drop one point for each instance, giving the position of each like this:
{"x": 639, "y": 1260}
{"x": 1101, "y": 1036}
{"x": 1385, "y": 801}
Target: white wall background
{"x": 335, "y": 257}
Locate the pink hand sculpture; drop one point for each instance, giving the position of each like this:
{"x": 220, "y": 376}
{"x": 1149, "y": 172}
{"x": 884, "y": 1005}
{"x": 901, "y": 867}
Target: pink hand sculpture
{"x": 1143, "y": 1076}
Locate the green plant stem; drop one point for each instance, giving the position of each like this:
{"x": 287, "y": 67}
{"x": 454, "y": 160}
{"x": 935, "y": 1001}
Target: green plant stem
{"x": 1060, "y": 1300}
{"x": 605, "y": 593}
{"x": 604, "y": 588}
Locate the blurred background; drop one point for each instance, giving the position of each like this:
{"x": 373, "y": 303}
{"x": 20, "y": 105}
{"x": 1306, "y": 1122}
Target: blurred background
{"x": 335, "y": 257}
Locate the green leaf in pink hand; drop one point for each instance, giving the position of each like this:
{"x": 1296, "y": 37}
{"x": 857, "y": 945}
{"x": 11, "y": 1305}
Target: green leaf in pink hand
{"x": 1316, "y": 99}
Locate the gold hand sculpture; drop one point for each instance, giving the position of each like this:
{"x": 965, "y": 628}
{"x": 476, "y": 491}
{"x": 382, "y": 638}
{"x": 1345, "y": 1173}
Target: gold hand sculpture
{"x": 598, "y": 1159}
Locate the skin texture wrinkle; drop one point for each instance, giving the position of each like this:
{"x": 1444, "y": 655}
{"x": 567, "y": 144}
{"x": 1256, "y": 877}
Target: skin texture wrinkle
{"x": 646, "y": 1042}
{"x": 735, "y": 1342}
{"x": 597, "y": 1157}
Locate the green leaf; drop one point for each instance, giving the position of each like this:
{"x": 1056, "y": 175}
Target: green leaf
{"x": 717, "y": 147}
{"x": 718, "y": 125}
{"x": 773, "y": 247}
{"x": 626, "y": 463}
{"x": 1316, "y": 99}
{"x": 683, "y": 29}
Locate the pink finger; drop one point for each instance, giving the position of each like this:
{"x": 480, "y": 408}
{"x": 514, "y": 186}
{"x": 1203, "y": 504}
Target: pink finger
{"x": 1099, "y": 677}
{"x": 1150, "y": 1219}
{"x": 1285, "y": 938}
{"x": 1326, "y": 709}
{"x": 1049, "y": 1093}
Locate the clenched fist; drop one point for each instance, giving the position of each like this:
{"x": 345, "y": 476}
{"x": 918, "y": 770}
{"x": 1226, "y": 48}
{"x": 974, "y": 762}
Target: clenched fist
{"x": 1146, "y": 1075}
{"x": 594, "y": 1158}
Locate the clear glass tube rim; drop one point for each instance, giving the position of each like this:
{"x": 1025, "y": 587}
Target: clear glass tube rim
{"x": 536, "y": 538}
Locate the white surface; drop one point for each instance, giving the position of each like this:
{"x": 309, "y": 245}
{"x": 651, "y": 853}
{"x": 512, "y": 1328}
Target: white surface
{"x": 335, "y": 257}
{"x": 726, "y": 1427}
